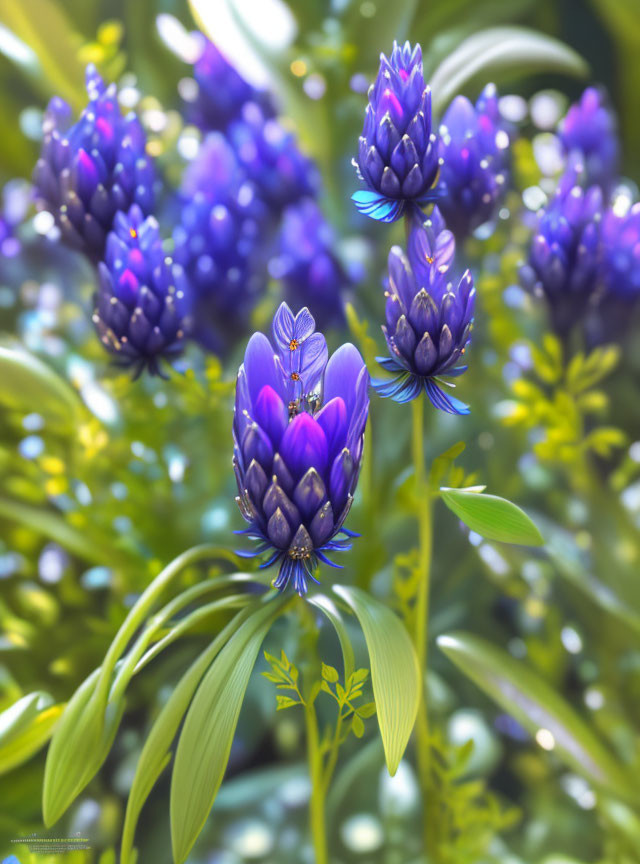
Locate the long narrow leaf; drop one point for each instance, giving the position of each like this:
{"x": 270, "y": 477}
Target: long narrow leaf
{"x": 329, "y": 608}
{"x": 394, "y": 670}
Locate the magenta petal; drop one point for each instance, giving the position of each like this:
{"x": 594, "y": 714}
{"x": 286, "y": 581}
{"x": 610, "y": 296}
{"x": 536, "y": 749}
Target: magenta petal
{"x": 304, "y": 446}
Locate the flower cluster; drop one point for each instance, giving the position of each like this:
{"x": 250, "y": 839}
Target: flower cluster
{"x": 473, "y": 151}
{"x": 91, "y": 169}
{"x": 428, "y": 317}
{"x": 589, "y": 131}
{"x": 141, "y": 302}
{"x": 298, "y": 437}
{"x": 397, "y": 151}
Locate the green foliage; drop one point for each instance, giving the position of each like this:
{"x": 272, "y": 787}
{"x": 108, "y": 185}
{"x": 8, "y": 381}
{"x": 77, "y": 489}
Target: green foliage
{"x": 25, "y": 727}
{"x": 492, "y": 517}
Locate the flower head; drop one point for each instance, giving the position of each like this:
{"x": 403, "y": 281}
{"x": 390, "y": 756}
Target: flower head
{"x": 217, "y": 242}
{"x": 90, "y": 169}
{"x": 222, "y": 91}
{"x": 589, "y": 130}
{"x": 473, "y": 150}
{"x": 271, "y": 157}
{"x": 298, "y": 436}
{"x": 429, "y": 317}
{"x": 397, "y": 151}
{"x": 621, "y": 254}
{"x": 142, "y": 299}
{"x": 564, "y": 256}
{"x": 307, "y": 263}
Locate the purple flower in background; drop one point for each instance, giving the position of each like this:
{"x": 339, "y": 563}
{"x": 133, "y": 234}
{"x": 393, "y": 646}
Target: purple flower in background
{"x": 473, "y": 150}
{"x": 222, "y": 91}
{"x": 307, "y": 264}
{"x": 564, "y": 257}
{"x": 16, "y": 200}
{"x": 272, "y": 159}
{"x": 218, "y": 242}
{"x": 621, "y": 254}
{"x": 298, "y": 436}
{"x": 589, "y": 130}
{"x": 397, "y": 151}
{"x": 90, "y": 169}
{"x": 142, "y": 299}
{"x": 429, "y": 317}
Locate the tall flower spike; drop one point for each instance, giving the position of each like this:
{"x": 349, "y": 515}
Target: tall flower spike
{"x": 141, "y": 302}
{"x": 473, "y": 150}
{"x": 589, "y": 130}
{"x": 564, "y": 257}
{"x": 429, "y": 318}
{"x": 217, "y": 241}
{"x": 272, "y": 158}
{"x": 90, "y": 169}
{"x": 298, "y": 433}
{"x": 397, "y": 151}
{"x": 307, "y": 263}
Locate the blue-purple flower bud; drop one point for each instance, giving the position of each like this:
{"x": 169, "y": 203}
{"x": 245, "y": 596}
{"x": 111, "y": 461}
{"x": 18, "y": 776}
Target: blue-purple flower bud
{"x": 429, "y": 317}
{"x": 397, "y": 151}
{"x": 89, "y": 170}
{"x": 217, "y": 242}
{"x": 564, "y": 257}
{"x": 590, "y": 131}
{"x": 142, "y": 299}
{"x": 298, "y": 436}
{"x": 307, "y": 263}
{"x": 473, "y": 150}
{"x": 272, "y": 159}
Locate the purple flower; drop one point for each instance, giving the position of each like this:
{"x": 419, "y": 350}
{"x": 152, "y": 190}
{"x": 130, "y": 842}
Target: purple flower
{"x": 307, "y": 263}
{"x": 298, "y": 436}
{"x": 473, "y": 150}
{"x": 429, "y": 317}
{"x": 397, "y": 152}
{"x": 564, "y": 257}
{"x": 222, "y": 91}
{"x": 218, "y": 241}
{"x": 621, "y": 254}
{"x": 272, "y": 159}
{"x": 90, "y": 169}
{"x": 142, "y": 299}
{"x": 589, "y": 130}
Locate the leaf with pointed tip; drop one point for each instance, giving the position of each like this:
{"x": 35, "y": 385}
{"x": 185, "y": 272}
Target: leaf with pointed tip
{"x": 519, "y": 690}
{"x": 25, "y": 727}
{"x": 492, "y": 517}
{"x": 395, "y": 674}
{"x": 329, "y": 608}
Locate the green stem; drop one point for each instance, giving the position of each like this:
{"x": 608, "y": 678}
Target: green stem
{"x": 423, "y": 494}
{"x": 316, "y": 806}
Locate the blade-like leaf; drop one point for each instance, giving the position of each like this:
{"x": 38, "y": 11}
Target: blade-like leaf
{"x": 205, "y": 742}
{"x": 155, "y": 753}
{"x": 498, "y": 50}
{"x": 395, "y": 674}
{"x": 25, "y": 727}
{"x": 519, "y": 690}
{"x": 492, "y": 517}
{"x": 329, "y": 608}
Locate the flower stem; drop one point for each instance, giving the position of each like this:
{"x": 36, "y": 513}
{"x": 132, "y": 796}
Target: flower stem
{"x": 423, "y": 496}
{"x": 316, "y": 805}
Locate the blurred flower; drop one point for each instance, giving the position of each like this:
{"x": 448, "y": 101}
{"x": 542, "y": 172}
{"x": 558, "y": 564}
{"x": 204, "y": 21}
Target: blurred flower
{"x": 222, "y": 91}
{"x": 589, "y": 129}
{"x": 621, "y": 254}
{"x": 142, "y": 300}
{"x": 217, "y": 241}
{"x": 307, "y": 264}
{"x": 397, "y": 152}
{"x": 564, "y": 256}
{"x": 271, "y": 157}
{"x": 90, "y": 169}
{"x": 429, "y": 318}
{"x": 16, "y": 198}
{"x": 298, "y": 434}
{"x": 473, "y": 149}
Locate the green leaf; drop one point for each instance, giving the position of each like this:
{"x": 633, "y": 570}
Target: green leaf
{"x": 492, "y": 517}
{"x": 329, "y": 608}
{"x": 28, "y": 384}
{"x": 394, "y": 670}
{"x": 357, "y": 726}
{"x": 497, "y": 50}
{"x": 329, "y": 673}
{"x": 519, "y": 690}
{"x": 25, "y": 727}
{"x": 442, "y": 463}
{"x": 205, "y": 742}
{"x": 155, "y": 754}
